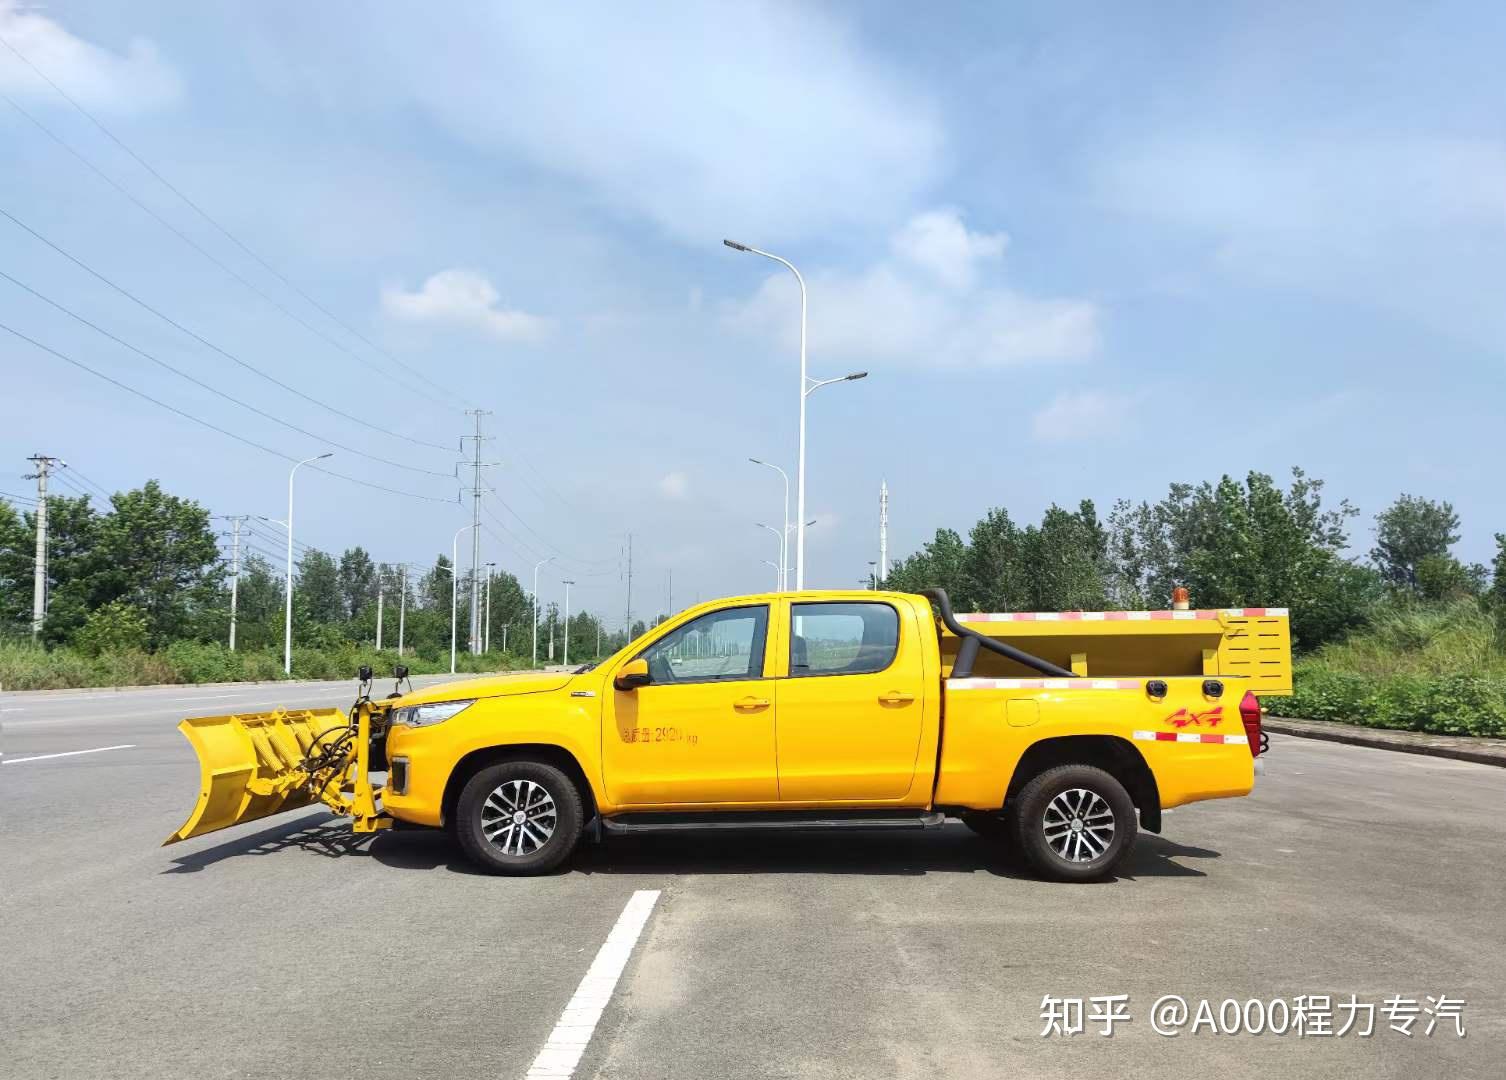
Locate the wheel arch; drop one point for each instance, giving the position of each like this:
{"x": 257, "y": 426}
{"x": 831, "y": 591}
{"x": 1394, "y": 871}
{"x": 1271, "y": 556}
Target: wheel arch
{"x": 548, "y": 753}
{"x": 1114, "y": 754}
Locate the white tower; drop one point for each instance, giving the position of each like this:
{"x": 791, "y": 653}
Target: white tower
{"x": 883, "y": 566}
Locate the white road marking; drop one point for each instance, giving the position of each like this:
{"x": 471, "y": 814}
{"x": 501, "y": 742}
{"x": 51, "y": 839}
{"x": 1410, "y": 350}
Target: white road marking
{"x": 567, "y": 1042}
{"x": 66, "y": 753}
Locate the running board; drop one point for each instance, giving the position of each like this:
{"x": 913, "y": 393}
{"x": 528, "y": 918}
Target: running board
{"x": 757, "y": 821}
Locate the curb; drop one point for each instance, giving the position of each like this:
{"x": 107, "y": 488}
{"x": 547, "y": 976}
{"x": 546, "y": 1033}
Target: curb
{"x": 1353, "y": 736}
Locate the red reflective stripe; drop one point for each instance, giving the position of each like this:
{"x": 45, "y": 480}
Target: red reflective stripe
{"x": 1166, "y": 736}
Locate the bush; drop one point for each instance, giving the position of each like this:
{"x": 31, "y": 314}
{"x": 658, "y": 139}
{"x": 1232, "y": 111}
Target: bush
{"x": 1458, "y": 704}
{"x": 112, "y": 627}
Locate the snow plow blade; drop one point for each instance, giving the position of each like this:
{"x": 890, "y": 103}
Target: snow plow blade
{"x": 255, "y": 765}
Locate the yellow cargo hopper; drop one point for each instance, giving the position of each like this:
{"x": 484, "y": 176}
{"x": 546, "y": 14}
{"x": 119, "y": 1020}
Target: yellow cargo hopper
{"x": 1253, "y": 642}
{"x": 255, "y": 765}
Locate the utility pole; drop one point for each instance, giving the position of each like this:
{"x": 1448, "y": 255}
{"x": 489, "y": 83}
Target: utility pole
{"x": 669, "y": 592}
{"x": 476, "y": 466}
{"x": 504, "y": 636}
{"x": 235, "y": 567}
{"x": 402, "y": 609}
{"x": 567, "y": 585}
{"x": 883, "y": 559}
{"x": 44, "y": 466}
{"x": 486, "y": 633}
{"x": 598, "y": 639}
{"x": 379, "y": 609}
{"x": 551, "y": 637}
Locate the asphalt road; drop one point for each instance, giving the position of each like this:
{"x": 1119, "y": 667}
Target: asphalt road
{"x": 287, "y": 949}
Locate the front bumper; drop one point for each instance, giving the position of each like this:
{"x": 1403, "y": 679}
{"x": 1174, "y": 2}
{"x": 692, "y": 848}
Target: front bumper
{"x": 415, "y": 788}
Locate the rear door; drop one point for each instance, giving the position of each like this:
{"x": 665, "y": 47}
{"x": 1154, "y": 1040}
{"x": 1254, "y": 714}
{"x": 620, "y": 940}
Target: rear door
{"x": 852, "y": 705}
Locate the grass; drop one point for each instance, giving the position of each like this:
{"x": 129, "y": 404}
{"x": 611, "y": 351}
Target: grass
{"x": 1433, "y": 668}
{"x": 27, "y": 667}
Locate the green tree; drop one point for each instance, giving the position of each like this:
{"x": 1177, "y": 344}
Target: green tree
{"x": 1065, "y": 560}
{"x": 1408, "y": 531}
{"x": 1498, "y": 572}
{"x": 940, "y": 564}
{"x": 157, "y": 553}
{"x": 17, "y": 550}
{"x": 358, "y": 577}
{"x": 316, "y": 592}
{"x": 259, "y": 606}
{"x": 74, "y": 587}
{"x": 994, "y": 570}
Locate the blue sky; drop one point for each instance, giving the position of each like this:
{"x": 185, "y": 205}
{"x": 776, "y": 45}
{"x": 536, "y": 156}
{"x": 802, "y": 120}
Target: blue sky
{"x": 1081, "y": 256}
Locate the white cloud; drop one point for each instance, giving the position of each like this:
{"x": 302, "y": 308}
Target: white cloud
{"x": 923, "y": 309}
{"x": 939, "y": 242}
{"x": 463, "y": 298}
{"x": 675, "y": 485}
{"x": 757, "y": 121}
{"x": 97, "y": 78}
{"x": 1078, "y": 415}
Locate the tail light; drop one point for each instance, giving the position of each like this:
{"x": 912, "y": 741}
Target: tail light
{"x": 1249, "y": 714}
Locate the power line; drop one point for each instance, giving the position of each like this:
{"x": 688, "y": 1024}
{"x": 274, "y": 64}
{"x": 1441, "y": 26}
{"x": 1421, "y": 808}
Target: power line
{"x": 205, "y": 215}
{"x": 213, "y": 390}
{"x": 548, "y": 544}
{"x": 197, "y": 337}
{"x": 73, "y": 470}
{"x": 170, "y": 227}
{"x": 205, "y": 423}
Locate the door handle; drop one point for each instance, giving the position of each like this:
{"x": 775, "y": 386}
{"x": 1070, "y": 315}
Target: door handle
{"x": 751, "y": 703}
{"x": 896, "y": 697}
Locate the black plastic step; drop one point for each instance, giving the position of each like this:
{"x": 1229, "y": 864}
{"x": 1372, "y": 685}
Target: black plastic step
{"x": 761, "y": 820}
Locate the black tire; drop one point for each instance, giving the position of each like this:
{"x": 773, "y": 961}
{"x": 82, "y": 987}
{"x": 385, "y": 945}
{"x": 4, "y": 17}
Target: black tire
{"x": 536, "y": 789}
{"x": 1085, "y": 851}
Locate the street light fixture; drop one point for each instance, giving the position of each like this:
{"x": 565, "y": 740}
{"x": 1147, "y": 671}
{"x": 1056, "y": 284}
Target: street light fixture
{"x": 807, "y": 386}
{"x": 784, "y": 537}
{"x": 540, "y": 563}
{"x": 287, "y": 635}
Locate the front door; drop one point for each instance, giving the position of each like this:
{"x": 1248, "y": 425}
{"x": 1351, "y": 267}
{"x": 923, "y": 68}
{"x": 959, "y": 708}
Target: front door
{"x": 702, "y": 731}
{"x": 850, "y": 711}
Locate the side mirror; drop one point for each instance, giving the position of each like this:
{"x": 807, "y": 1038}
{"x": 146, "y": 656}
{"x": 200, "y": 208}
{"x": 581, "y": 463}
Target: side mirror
{"x": 632, "y": 675}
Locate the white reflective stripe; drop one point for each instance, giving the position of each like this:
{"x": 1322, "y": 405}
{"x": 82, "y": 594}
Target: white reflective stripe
{"x": 1276, "y": 611}
{"x": 1146, "y": 735}
{"x": 1237, "y": 740}
{"x": 1095, "y": 615}
{"x": 1105, "y": 684}
{"x": 1139, "y": 616}
{"x": 1183, "y": 736}
{"x": 1184, "y": 614}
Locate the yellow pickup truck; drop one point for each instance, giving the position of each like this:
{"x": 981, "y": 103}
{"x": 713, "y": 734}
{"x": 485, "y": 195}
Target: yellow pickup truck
{"x": 798, "y": 710}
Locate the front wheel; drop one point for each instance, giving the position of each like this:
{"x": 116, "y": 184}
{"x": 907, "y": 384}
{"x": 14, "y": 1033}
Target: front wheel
{"x": 1075, "y": 823}
{"x": 518, "y": 818}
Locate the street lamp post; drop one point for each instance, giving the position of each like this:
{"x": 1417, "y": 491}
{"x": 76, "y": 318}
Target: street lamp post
{"x": 455, "y": 591}
{"x": 783, "y": 541}
{"x": 778, "y": 574}
{"x": 536, "y": 566}
{"x": 807, "y": 387}
{"x": 287, "y": 632}
{"x": 567, "y": 585}
{"x": 784, "y": 537}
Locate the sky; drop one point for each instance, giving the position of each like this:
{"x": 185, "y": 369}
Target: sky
{"x": 1082, "y": 253}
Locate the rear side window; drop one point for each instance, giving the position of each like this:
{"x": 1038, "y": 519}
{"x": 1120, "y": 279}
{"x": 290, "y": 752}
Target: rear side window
{"x": 842, "y": 639}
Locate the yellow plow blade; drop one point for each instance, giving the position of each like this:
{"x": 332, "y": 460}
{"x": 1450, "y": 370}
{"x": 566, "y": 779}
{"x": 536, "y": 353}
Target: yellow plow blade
{"x": 251, "y": 765}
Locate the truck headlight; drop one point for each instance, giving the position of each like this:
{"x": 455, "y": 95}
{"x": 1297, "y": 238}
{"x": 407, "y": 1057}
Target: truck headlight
{"x": 426, "y": 715}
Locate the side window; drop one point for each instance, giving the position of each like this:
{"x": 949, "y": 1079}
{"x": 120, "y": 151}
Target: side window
{"x": 721, "y": 645}
{"x": 842, "y": 639}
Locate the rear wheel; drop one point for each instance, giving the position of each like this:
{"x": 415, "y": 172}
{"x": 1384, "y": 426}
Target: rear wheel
{"x": 518, "y": 818}
{"x": 1075, "y": 823}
